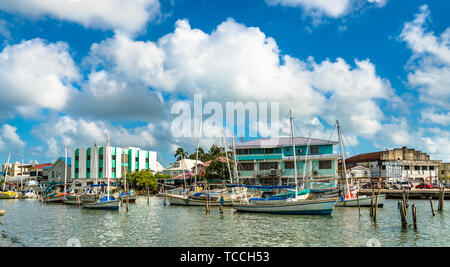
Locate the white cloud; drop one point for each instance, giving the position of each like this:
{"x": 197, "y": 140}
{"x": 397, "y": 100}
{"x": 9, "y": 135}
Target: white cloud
{"x": 429, "y": 115}
{"x": 34, "y": 75}
{"x": 239, "y": 63}
{"x": 326, "y": 8}
{"x": 128, "y": 16}
{"x": 430, "y": 63}
{"x": 82, "y": 132}
{"x": 10, "y": 141}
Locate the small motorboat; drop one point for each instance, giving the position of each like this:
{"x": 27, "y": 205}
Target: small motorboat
{"x": 105, "y": 203}
{"x": 2, "y": 212}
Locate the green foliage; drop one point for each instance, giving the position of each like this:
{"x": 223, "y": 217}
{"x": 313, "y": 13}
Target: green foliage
{"x": 181, "y": 154}
{"x": 142, "y": 180}
{"x": 217, "y": 170}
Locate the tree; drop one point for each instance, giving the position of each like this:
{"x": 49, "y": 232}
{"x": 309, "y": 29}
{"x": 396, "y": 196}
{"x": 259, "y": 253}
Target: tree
{"x": 201, "y": 155}
{"x": 217, "y": 170}
{"x": 181, "y": 154}
{"x": 142, "y": 180}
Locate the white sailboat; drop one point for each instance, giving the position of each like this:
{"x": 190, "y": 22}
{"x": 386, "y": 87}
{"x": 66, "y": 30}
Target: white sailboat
{"x": 350, "y": 199}
{"x": 291, "y": 205}
{"x": 106, "y": 202}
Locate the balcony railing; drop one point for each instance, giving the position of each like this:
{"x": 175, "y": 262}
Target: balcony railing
{"x": 273, "y": 172}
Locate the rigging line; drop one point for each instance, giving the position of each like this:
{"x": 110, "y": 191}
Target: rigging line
{"x": 287, "y": 116}
{"x": 354, "y": 153}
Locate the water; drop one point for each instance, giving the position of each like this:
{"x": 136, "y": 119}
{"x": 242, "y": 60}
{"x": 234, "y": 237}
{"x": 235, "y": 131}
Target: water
{"x": 30, "y": 223}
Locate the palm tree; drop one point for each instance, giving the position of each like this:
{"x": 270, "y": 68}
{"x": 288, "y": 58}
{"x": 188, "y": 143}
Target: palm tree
{"x": 201, "y": 154}
{"x": 180, "y": 154}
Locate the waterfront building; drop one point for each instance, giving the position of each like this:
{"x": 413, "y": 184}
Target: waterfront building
{"x": 38, "y": 172}
{"x": 398, "y": 164}
{"x": 271, "y": 161}
{"x": 88, "y": 164}
{"x": 19, "y": 169}
{"x": 444, "y": 172}
{"x": 359, "y": 172}
{"x": 177, "y": 168}
{"x": 55, "y": 172}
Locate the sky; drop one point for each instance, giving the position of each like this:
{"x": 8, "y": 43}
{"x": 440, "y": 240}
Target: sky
{"x": 70, "y": 70}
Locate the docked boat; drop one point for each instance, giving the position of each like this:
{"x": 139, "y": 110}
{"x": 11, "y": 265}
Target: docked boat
{"x": 30, "y": 193}
{"x": 364, "y": 201}
{"x": 2, "y": 212}
{"x": 131, "y": 196}
{"x": 9, "y": 195}
{"x": 105, "y": 203}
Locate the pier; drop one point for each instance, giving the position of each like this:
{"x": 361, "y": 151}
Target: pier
{"x": 413, "y": 194}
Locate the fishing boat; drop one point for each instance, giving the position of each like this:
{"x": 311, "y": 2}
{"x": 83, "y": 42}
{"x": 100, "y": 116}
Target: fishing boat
{"x": 364, "y": 201}
{"x": 289, "y": 203}
{"x": 28, "y": 193}
{"x": 107, "y": 202}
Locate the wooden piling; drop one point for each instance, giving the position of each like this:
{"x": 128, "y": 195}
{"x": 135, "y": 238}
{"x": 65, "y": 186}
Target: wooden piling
{"x": 221, "y": 204}
{"x": 165, "y": 196}
{"x": 148, "y": 196}
{"x": 414, "y": 215}
{"x": 431, "y": 205}
{"x": 403, "y": 215}
{"x": 441, "y": 198}
{"x": 375, "y": 209}
{"x": 359, "y": 207}
{"x": 371, "y": 202}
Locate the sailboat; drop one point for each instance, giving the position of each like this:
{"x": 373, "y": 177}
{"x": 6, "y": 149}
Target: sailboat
{"x": 59, "y": 197}
{"x": 350, "y": 200}
{"x": 292, "y": 204}
{"x": 106, "y": 202}
{"x": 8, "y": 194}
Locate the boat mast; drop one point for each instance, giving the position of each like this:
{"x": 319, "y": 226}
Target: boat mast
{"x": 226, "y": 155}
{"x": 198, "y": 147}
{"x": 107, "y": 166}
{"x": 344, "y": 168}
{"x": 6, "y": 172}
{"x": 306, "y": 158}
{"x": 293, "y": 148}
{"x": 65, "y": 168}
{"x": 236, "y": 173}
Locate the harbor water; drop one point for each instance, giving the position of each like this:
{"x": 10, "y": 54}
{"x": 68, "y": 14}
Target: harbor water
{"x": 31, "y": 223}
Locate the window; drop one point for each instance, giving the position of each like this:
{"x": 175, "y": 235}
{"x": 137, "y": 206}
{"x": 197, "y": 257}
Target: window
{"x": 76, "y": 170}
{"x": 88, "y": 157}
{"x": 289, "y": 165}
{"x": 113, "y": 157}
{"x": 383, "y": 167}
{"x": 243, "y": 151}
{"x": 247, "y": 166}
{"x": 88, "y": 170}
{"x": 113, "y": 170}
{"x": 53, "y": 173}
{"x": 146, "y": 160}
{"x": 424, "y": 168}
{"x": 137, "y": 170}
{"x": 406, "y": 168}
{"x": 101, "y": 157}
{"x": 136, "y": 159}
{"x": 417, "y": 168}
{"x": 431, "y": 168}
{"x": 268, "y": 151}
{"x": 268, "y": 165}
{"x": 324, "y": 164}
{"x": 314, "y": 150}
{"x": 100, "y": 169}
{"x": 77, "y": 157}
{"x": 299, "y": 151}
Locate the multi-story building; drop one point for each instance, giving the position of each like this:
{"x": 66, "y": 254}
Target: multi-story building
{"x": 444, "y": 172}
{"x": 177, "y": 168}
{"x": 271, "y": 161}
{"x": 398, "y": 164}
{"x": 90, "y": 163}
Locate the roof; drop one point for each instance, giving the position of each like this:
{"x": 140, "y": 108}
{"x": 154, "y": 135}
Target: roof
{"x": 186, "y": 175}
{"x": 283, "y": 142}
{"x": 185, "y": 164}
{"x": 206, "y": 164}
{"x": 69, "y": 160}
{"x": 374, "y": 156}
{"x": 43, "y": 166}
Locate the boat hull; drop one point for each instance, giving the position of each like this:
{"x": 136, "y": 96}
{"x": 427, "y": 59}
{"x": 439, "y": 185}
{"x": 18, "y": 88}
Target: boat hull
{"x": 9, "y": 195}
{"x": 364, "y": 201}
{"x": 107, "y": 205}
{"x": 301, "y": 207}
{"x": 2, "y": 212}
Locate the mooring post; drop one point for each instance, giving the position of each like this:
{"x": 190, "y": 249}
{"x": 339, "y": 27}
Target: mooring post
{"x": 431, "y": 204}
{"x": 357, "y": 199}
{"x": 414, "y": 215}
{"x": 375, "y": 209}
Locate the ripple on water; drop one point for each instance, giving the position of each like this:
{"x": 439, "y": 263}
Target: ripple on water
{"x": 30, "y": 223}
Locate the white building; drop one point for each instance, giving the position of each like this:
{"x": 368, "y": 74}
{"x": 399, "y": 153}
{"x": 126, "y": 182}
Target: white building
{"x": 95, "y": 162}
{"x": 177, "y": 168}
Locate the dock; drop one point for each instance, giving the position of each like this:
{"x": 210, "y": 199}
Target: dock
{"x": 413, "y": 193}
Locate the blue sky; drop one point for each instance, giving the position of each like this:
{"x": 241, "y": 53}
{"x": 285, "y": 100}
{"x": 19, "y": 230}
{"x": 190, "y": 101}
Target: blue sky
{"x": 71, "y": 69}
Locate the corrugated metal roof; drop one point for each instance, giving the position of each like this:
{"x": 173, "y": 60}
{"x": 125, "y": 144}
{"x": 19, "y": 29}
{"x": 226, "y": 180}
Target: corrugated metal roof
{"x": 366, "y": 157}
{"x": 282, "y": 142}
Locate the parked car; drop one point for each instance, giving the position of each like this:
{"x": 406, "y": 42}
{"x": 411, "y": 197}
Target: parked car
{"x": 424, "y": 186}
{"x": 402, "y": 185}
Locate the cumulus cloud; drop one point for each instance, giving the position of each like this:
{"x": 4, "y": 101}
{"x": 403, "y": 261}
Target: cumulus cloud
{"x": 326, "y": 8}
{"x": 128, "y": 16}
{"x": 239, "y": 63}
{"x": 35, "y": 75}
{"x": 82, "y": 132}
{"x": 10, "y": 141}
{"x": 430, "y": 64}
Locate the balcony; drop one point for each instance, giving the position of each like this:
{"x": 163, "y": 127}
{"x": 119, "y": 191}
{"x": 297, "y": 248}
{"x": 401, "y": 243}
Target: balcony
{"x": 265, "y": 173}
